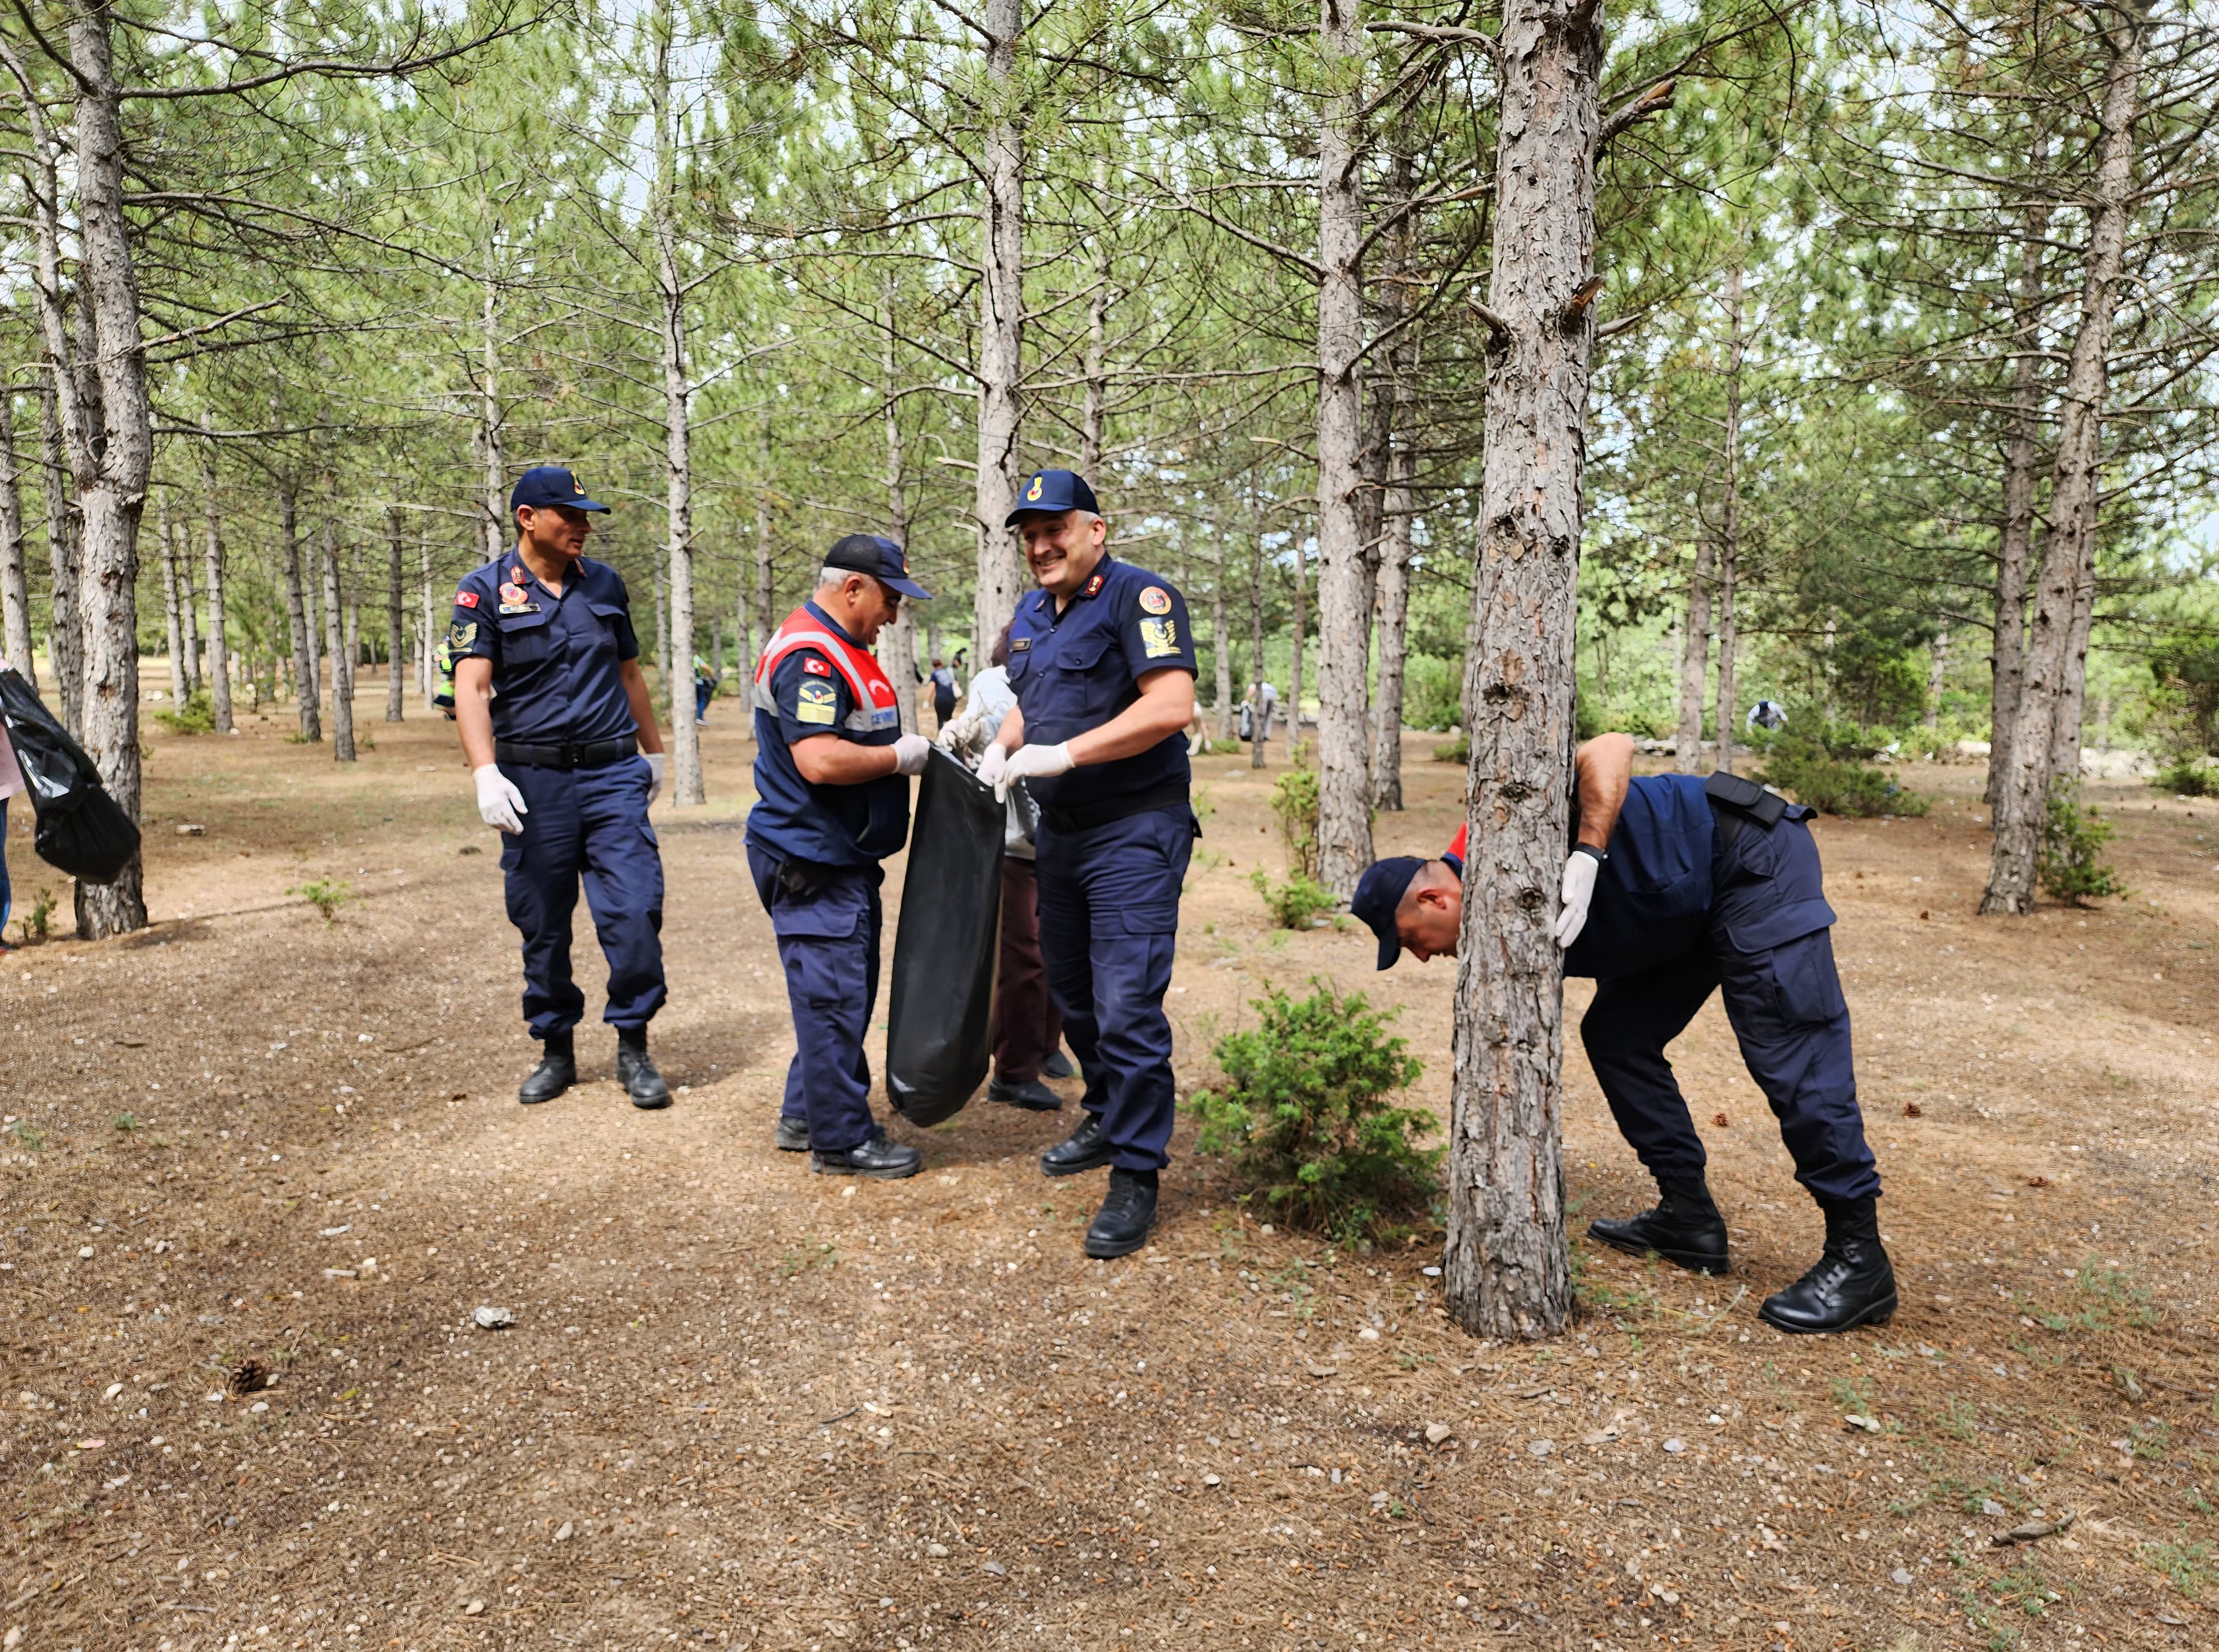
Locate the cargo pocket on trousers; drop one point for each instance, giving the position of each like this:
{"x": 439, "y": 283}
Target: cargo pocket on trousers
{"x": 1807, "y": 985}
{"x": 1151, "y": 920}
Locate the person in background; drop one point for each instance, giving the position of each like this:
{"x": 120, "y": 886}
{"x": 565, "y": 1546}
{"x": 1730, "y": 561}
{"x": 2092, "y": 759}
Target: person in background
{"x": 1027, "y": 1029}
{"x": 1265, "y": 699}
{"x": 704, "y": 690}
{"x": 832, "y": 769}
{"x": 943, "y": 693}
{"x": 559, "y": 729}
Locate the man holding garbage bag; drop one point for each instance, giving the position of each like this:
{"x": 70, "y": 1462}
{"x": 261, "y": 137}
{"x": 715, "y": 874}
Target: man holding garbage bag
{"x": 831, "y": 768}
{"x": 1103, "y": 665}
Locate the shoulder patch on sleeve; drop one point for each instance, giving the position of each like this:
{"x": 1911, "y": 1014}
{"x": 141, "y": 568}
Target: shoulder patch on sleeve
{"x": 1156, "y": 600}
{"x": 1160, "y": 637}
{"x": 815, "y": 702}
{"x": 466, "y": 599}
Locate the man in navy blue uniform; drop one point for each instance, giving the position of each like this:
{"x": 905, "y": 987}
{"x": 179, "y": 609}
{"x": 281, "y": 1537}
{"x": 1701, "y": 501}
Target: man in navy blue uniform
{"x": 1677, "y": 886}
{"x": 831, "y": 779}
{"x": 560, "y": 734}
{"x": 1102, "y": 663}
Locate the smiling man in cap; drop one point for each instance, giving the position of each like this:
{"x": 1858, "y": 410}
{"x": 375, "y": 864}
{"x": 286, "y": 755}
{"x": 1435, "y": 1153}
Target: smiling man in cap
{"x": 560, "y": 732}
{"x": 1677, "y": 887}
{"x": 1101, "y": 663}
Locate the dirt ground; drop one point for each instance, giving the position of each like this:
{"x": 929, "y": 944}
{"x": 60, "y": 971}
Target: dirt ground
{"x": 745, "y": 1405}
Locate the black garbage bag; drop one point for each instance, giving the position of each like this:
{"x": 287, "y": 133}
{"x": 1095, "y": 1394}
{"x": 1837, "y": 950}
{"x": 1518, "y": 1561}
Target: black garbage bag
{"x": 81, "y": 830}
{"x": 939, "y": 1025}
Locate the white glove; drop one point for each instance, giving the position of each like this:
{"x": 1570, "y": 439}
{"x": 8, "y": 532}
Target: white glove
{"x": 910, "y": 753}
{"x": 991, "y": 765}
{"x": 655, "y": 762}
{"x": 1580, "y": 869}
{"x": 499, "y": 803}
{"x": 1028, "y": 761}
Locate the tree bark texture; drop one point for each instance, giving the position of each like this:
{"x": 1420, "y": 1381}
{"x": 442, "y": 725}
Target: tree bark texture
{"x": 1301, "y": 620}
{"x": 1937, "y": 668}
{"x": 296, "y": 615}
{"x": 687, "y": 788}
{"x": 898, "y": 642}
{"x": 15, "y": 581}
{"x": 1393, "y": 603}
{"x": 1507, "y": 1266}
{"x": 1221, "y": 645}
{"x": 2022, "y": 458}
{"x": 66, "y": 632}
{"x": 1695, "y": 657}
{"x": 115, "y": 493}
{"x": 2057, "y": 642}
{"x": 1001, "y": 577}
{"x": 180, "y": 681}
{"x": 219, "y": 651}
{"x": 1094, "y": 416}
{"x": 1344, "y": 593}
{"x": 336, "y": 650}
{"x": 1256, "y": 643}
{"x": 395, "y": 648}
{"x": 1729, "y": 708}
{"x": 499, "y": 520}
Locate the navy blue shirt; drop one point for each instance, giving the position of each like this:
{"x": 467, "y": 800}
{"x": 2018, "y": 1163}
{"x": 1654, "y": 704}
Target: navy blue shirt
{"x": 1075, "y": 671}
{"x": 554, "y": 658}
{"x": 808, "y": 696}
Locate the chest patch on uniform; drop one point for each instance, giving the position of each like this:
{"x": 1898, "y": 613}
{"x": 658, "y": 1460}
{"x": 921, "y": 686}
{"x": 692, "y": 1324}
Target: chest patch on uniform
{"x": 466, "y": 599}
{"x": 1156, "y": 600}
{"x": 1159, "y": 638}
{"x": 1093, "y": 586}
{"x": 520, "y": 607}
{"x": 815, "y": 702}
{"x": 460, "y": 635}
{"x": 511, "y": 593}
{"x": 814, "y": 666}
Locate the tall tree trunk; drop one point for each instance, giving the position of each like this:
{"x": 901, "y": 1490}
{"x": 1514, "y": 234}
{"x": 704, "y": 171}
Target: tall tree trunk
{"x": 427, "y": 620}
{"x": 686, "y": 787}
{"x": 663, "y": 634}
{"x": 766, "y": 584}
{"x": 1001, "y": 328}
{"x": 500, "y": 523}
{"x": 2050, "y": 706}
{"x": 395, "y": 651}
{"x": 1937, "y": 667}
{"x": 2016, "y": 541}
{"x": 335, "y": 649}
{"x": 1507, "y": 1267}
{"x": 219, "y": 654}
{"x": 1394, "y": 614}
{"x": 188, "y": 602}
{"x": 180, "y": 682}
{"x": 15, "y": 582}
{"x": 1300, "y": 622}
{"x": 898, "y": 642}
{"x": 1257, "y": 741}
{"x": 66, "y": 633}
{"x": 1695, "y": 657}
{"x": 296, "y": 615}
{"x": 1095, "y": 417}
{"x": 115, "y": 493}
{"x": 1344, "y": 593}
{"x": 1221, "y": 638}
{"x": 1729, "y": 710}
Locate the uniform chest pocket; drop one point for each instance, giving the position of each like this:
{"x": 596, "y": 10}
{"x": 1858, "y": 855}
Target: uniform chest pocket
{"x": 525, "y": 640}
{"x": 598, "y": 636}
{"x": 1087, "y": 683}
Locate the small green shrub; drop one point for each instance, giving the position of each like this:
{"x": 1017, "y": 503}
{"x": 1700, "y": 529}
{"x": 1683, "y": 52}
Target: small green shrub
{"x": 326, "y": 895}
{"x": 2187, "y": 777}
{"x": 37, "y": 921}
{"x": 1458, "y": 750}
{"x": 195, "y": 715}
{"x": 2072, "y": 868}
{"x": 1305, "y": 1115}
{"x": 1295, "y": 801}
{"x": 1432, "y": 691}
{"x": 1295, "y": 903}
{"x": 1836, "y": 786}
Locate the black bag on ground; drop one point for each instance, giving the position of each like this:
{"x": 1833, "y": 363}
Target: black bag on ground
{"x": 81, "y": 829}
{"x": 939, "y": 1025}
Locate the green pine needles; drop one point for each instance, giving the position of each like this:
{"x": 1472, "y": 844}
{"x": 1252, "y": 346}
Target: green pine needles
{"x": 1305, "y": 1115}
{"x": 2072, "y": 868}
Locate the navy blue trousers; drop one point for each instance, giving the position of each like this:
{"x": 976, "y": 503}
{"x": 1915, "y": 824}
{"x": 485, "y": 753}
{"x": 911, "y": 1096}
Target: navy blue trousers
{"x": 1783, "y": 998}
{"x": 828, "y": 940}
{"x": 1109, "y": 928}
{"x": 589, "y": 825}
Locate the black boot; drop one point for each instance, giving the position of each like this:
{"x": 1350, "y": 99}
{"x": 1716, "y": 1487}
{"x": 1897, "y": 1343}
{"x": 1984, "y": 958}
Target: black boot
{"x": 874, "y": 1156}
{"x": 1029, "y": 1094}
{"x": 556, "y": 1072}
{"x": 1684, "y": 1228}
{"x": 1851, "y": 1284}
{"x": 636, "y": 1069}
{"x": 1128, "y": 1212}
{"x": 1058, "y": 1065}
{"x": 1084, "y": 1149}
{"x": 793, "y": 1135}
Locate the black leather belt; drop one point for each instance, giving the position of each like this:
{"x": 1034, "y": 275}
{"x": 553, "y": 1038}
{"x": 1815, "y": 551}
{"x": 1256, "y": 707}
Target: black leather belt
{"x": 594, "y": 753}
{"x": 1086, "y": 816}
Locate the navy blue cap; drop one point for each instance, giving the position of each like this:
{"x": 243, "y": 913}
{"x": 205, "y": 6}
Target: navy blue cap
{"x": 1379, "y": 895}
{"x": 882, "y": 559}
{"x": 1053, "y": 491}
{"x": 551, "y": 484}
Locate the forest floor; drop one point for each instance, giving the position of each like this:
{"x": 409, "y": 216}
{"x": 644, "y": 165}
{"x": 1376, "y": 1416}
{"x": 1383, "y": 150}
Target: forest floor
{"x": 742, "y": 1404}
